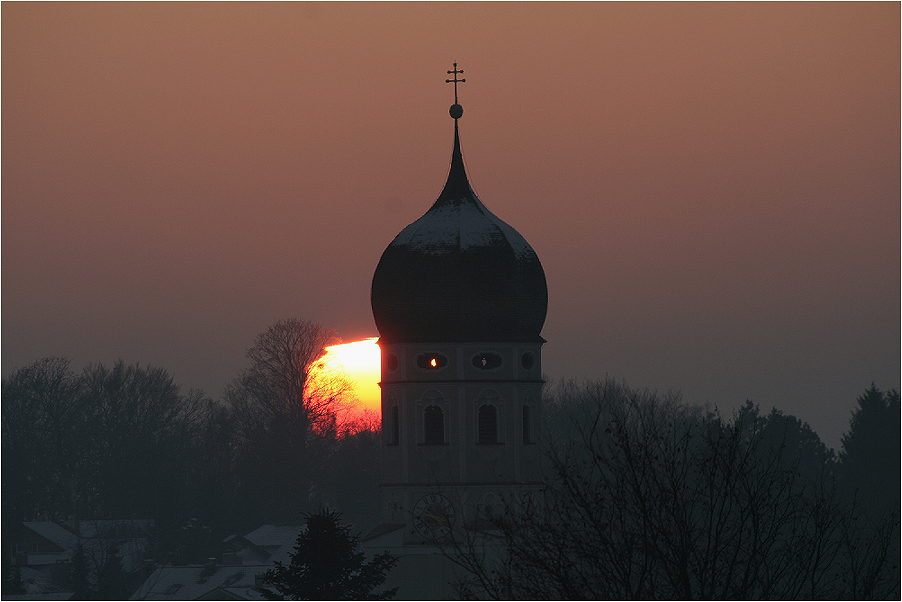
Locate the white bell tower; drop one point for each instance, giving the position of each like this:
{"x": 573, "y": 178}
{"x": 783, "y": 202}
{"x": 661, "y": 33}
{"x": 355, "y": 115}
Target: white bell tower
{"x": 459, "y": 299}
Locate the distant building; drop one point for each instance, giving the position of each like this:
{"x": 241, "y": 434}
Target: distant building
{"x": 459, "y": 299}
{"x": 234, "y": 576}
{"x": 211, "y": 581}
{"x": 42, "y": 551}
{"x": 40, "y": 543}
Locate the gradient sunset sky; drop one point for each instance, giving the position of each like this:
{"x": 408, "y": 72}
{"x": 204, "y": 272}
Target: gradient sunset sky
{"x": 713, "y": 189}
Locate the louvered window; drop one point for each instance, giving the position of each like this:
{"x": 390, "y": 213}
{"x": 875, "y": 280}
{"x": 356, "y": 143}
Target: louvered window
{"x": 488, "y": 424}
{"x": 393, "y": 426}
{"x": 433, "y": 426}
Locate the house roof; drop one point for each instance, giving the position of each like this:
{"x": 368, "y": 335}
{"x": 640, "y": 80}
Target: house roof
{"x": 221, "y": 582}
{"x": 50, "y": 596}
{"x": 199, "y": 581}
{"x": 274, "y": 536}
{"x": 233, "y": 593}
{"x": 381, "y": 530}
{"x": 65, "y": 539}
{"x": 115, "y": 528}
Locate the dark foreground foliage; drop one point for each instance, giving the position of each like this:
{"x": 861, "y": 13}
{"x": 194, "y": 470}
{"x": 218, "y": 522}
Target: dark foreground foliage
{"x": 870, "y": 458}
{"x": 646, "y": 497}
{"x": 327, "y": 564}
{"x": 125, "y": 442}
{"x": 650, "y": 499}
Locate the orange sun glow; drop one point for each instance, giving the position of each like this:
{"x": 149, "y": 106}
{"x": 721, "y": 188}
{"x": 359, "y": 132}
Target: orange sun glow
{"x": 360, "y": 362}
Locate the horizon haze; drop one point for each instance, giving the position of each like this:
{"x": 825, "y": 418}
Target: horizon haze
{"x": 713, "y": 189}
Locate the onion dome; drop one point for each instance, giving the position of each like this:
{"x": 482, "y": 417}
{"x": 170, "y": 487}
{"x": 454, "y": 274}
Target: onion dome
{"x": 459, "y": 273}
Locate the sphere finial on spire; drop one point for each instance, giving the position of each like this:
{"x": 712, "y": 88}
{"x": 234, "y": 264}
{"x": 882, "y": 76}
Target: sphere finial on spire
{"x": 456, "y": 110}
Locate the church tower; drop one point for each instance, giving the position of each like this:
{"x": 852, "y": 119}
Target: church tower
{"x": 459, "y": 299}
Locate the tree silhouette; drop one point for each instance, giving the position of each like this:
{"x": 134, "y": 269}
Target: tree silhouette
{"x": 280, "y": 383}
{"x": 651, "y": 499}
{"x": 284, "y": 408}
{"x": 870, "y": 459}
{"x": 327, "y": 565}
{"x": 111, "y": 442}
{"x": 81, "y": 586}
{"x": 136, "y": 422}
{"x": 42, "y": 413}
{"x": 15, "y": 585}
{"x": 111, "y": 579}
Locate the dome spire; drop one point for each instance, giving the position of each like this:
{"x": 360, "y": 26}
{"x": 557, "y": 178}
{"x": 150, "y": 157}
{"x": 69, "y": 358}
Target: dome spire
{"x": 456, "y": 110}
{"x": 459, "y": 273}
{"x": 458, "y": 186}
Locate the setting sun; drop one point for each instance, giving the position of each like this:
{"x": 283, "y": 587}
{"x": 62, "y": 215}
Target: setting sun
{"x": 360, "y": 361}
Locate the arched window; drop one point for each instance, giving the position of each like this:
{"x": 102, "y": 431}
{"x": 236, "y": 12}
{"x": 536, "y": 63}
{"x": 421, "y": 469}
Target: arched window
{"x": 393, "y": 426}
{"x": 488, "y": 424}
{"x": 527, "y": 438}
{"x": 433, "y": 426}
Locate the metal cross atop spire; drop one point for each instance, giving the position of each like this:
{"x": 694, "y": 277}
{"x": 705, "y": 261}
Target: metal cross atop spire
{"x": 455, "y": 80}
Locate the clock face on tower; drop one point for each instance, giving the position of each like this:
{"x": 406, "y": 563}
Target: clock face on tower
{"x": 433, "y": 516}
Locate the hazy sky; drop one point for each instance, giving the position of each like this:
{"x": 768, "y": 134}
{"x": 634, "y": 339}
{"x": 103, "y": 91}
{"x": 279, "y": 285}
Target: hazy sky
{"x": 713, "y": 189}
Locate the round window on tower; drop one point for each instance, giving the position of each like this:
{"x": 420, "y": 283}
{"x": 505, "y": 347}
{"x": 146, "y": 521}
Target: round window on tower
{"x": 431, "y": 361}
{"x": 486, "y": 360}
{"x": 528, "y": 360}
{"x": 391, "y": 362}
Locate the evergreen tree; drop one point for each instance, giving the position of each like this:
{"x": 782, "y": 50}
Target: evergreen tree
{"x": 16, "y": 586}
{"x": 111, "y": 579}
{"x": 81, "y": 588}
{"x": 327, "y": 565}
{"x": 870, "y": 459}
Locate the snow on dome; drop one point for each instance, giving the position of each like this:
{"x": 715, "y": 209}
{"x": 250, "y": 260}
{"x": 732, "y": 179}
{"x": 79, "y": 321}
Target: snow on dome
{"x": 463, "y": 225}
{"x": 459, "y": 273}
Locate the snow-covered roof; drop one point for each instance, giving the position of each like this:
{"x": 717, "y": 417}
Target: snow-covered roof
{"x": 381, "y": 530}
{"x": 274, "y": 536}
{"x": 33, "y": 597}
{"x": 39, "y": 585}
{"x": 65, "y": 539}
{"x": 115, "y": 528}
{"x": 459, "y": 226}
{"x": 195, "y": 581}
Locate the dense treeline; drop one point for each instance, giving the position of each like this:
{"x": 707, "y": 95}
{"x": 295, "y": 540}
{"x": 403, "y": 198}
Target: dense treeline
{"x": 646, "y": 497}
{"x": 650, "y": 498}
{"x": 124, "y": 441}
